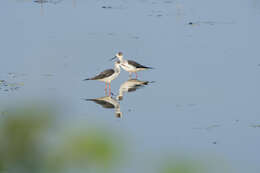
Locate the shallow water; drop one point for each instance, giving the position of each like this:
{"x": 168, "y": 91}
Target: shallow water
{"x": 204, "y": 95}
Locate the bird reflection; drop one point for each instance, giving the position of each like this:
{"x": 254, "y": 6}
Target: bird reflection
{"x": 130, "y": 85}
{"x": 46, "y": 1}
{"x": 108, "y": 102}
{"x": 41, "y": 2}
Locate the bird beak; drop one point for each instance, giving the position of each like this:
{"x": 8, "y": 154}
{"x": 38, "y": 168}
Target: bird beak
{"x": 113, "y": 58}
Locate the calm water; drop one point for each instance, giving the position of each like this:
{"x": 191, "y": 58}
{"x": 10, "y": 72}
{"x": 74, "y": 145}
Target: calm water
{"x": 204, "y": 97}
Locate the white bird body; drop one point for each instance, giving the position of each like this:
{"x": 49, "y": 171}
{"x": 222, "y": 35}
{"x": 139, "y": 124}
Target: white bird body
{"x": 124, "y": 64}
{"x": 129, "y": 65}
{"x": 111, "y": 77}
{"x": 108, "y": 75}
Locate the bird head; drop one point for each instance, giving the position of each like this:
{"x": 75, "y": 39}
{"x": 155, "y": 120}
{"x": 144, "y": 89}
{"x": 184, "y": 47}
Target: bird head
{"x": 119, "y": 55}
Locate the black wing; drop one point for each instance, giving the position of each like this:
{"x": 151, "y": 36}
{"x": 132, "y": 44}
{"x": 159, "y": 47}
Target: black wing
{"x": 137, "y": 86}
{"x": 137, "y": 65}
{"x": 103, "y": 103}
{"x": 134, "y": 88}
{"x": 103, "y": 74}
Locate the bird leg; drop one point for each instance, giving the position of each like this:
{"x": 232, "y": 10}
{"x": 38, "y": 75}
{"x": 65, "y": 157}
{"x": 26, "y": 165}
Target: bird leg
{"x": 109, "y": 89}
{"x": 136, "y": 75}
{"x": 106, "y": 89}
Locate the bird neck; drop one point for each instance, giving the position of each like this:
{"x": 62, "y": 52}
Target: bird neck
{"x": 120, "y": 58}
{"x": 118, "y": 113}
{"x": 121, "y": 92}
{"x": 117, "y": 69}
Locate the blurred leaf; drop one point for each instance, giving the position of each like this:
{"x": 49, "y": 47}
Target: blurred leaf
{"x": 181, "y": 166}
{"x": 21, "y": 133}
{"x": 90, "y": 148}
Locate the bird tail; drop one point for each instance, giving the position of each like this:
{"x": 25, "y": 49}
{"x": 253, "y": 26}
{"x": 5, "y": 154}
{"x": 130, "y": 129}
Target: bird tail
{"x": 146, "y": 82}
{"x": 87, "y": 79}
{"x": 149, "y": 67}
{"x": 89, "y": 99}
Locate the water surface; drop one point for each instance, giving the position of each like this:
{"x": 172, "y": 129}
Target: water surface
{"x": 204, "y": 100}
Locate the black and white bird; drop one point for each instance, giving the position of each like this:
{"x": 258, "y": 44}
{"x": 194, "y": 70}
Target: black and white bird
{"x": 108, "y": 75}
{"x": 129, "y": 65}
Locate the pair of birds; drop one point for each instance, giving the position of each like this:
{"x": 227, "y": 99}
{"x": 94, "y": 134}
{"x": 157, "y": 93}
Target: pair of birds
{"x": 110, "y": 74}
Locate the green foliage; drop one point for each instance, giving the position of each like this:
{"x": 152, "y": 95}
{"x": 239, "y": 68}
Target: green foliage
{"x": 20, "y": 136}
{"x": 181, "y": 166}
{"x": 30, "y": 143}
{"x": 25, "y": 146}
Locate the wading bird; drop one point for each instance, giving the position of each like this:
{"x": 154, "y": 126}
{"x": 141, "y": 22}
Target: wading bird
{"x": 129, "y": 65}
{"x": 108, "y": 75}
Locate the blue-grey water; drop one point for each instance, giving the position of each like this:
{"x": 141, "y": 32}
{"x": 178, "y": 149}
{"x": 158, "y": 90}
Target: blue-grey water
{"x": 204, "y": 100}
